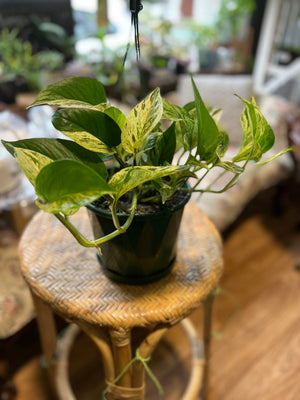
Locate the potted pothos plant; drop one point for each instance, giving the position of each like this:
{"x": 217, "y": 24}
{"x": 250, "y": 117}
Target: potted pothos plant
{"x": 131, "y": 172}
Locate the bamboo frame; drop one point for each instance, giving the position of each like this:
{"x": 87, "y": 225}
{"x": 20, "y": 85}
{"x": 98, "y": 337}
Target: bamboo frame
{"x": 196, "y": 377}
{"x": 207, "y": 332}
{"x": 101, "y": 339}
{"x": 48, "y": 337}
{"x": 145, "y": 350}
{"x": 61, "y": 376}
{"x": 121, "y": 347}
{"x": 136, "y": 374}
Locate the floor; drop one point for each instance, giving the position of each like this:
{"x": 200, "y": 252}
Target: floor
{"x": 256, "y": 329}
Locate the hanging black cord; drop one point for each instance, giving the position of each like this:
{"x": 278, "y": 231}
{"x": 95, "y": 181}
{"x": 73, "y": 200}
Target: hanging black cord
{"x": 135, "y": 7}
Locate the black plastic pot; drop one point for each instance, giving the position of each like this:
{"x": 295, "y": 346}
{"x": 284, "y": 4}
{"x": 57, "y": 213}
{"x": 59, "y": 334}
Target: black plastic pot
{"x": 10, "y": 88}
{"x": 146, "y": 251}
{"x": 8, "y": 91}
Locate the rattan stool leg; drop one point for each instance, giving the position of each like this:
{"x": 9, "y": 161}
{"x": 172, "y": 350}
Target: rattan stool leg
{"x": 196, "y": 376}
{"x": 48, "y": 337}
{"x": 101, "y": 338}
{"x": 145, "y": 350}
{"x": 121, "y": 346}
{"x": 65, "y": 342}
{"x": 207, "y": 332}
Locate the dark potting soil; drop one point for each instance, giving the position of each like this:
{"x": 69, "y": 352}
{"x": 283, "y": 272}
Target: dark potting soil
{"x": 142, "y": 208}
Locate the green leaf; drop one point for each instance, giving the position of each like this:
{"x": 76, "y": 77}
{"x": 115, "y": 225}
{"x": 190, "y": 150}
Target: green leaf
{"x": 187, "y": 131}
{"x": 143, "y": 156}
{"x": 190, "y": 106}
{"x": 258, "y": 135}
{"x": 66, "y": 185}
{"x": 173, "y": 112}
{"x": 275, "y": 156}
{"x": 208, "y": 132}
{"x": 186, "y": 134}
{"x": 113, "y": 112}
{"x": 168, "y": 188}
{"x": 223, "y": 143}
{"x": 31, "y": 162}
{"x": 166, "y": 146}
{"x": 184, "y": 125}
{"x": 129, "y": 178}
{"x": 216, "y": 113}
{"x": 34, "y": 154}
{"x": 230, "y": 166}
{"x": 141, "y": 120}
{"x": 72, "y": 92}
{"x": 92, "y": 129}
{"x": 165, "y": 189}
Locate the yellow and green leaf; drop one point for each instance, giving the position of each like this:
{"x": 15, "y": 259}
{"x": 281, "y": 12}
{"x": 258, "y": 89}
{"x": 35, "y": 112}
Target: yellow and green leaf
{"x": 140, "y": 122}
{"x": 66, "y": 185}
{"x": 73, "y": 92}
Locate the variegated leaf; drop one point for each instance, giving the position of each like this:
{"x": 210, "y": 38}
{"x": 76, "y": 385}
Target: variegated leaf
{"x": 142, "y": 119}
{"x": 66, "y": 185}
{"x": 73, "y": 92}
{"x": 129, "y": 178}
{"x": 258, "y": 135}
{"x": 91, "y": 129}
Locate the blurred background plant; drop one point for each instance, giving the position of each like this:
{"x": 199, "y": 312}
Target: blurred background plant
{"x": 203, "y": 42}
{"x": 95, "y": 43}
{"x": 108, "y": 63}
{"x": 232, "y": 17}
{"x": 21, "y": 67}
{"x": 53, "y": 36}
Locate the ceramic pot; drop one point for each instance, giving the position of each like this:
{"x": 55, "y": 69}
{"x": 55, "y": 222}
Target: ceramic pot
{"x": 146, "y": 251}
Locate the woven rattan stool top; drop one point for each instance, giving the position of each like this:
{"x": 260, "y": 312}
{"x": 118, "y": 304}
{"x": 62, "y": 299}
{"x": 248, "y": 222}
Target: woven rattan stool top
{"x": 69, "y": 279}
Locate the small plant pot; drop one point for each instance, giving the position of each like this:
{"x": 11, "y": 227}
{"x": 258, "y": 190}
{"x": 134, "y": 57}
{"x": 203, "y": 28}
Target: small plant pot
{"x": 8, "y": 91}
{"x": 207, "y": 59}
{"x": 146, "y": 251}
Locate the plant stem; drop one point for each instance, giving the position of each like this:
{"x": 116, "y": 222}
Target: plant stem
{"x": 120, "y": 161}
{"x": 115, "y": 216}
{"x": 226, "y": 187}
{"x": 154, "y": 199}
{"x": 94, "y": 243}
{"x": 77, "y": 235}
{"x": 199, "y": 180}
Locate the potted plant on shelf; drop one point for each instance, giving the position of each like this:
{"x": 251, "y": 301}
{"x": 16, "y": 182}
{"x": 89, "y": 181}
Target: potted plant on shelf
{"x": 203, "y": 38}
{"x": 20, "y": 68}
{"x": 122, "y": 169}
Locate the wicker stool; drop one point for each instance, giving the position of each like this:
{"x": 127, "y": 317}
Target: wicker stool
{"x": 66, "y": 278}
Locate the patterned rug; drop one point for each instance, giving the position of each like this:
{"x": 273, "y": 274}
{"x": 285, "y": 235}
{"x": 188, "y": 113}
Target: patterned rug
{"x": 16, "y": 307}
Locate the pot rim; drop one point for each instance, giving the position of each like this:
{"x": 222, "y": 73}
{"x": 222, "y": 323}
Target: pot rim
{"x": 157, "y": 214}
